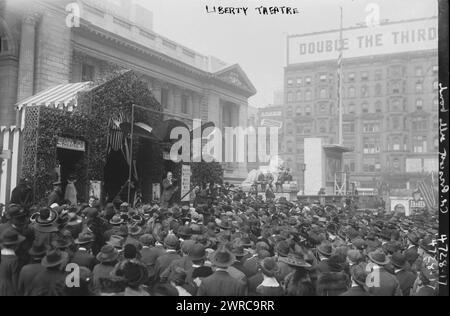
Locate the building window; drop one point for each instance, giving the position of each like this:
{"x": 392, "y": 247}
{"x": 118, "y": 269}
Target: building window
{"x": 419, "y": 104}
{"x": 298, "y": 111}
{"x": 364, "y": 76}
{"x": 378, "y": 107}
{"x": 351, "y": 77}
{"x": 299, "y": 96}
{"x": 396, "y": 88}
{"x": 351, "y": 108}
{"x": 371, "y": 145}
{"x": 165, "y": 98}
{"x": 378, "y": 90}
{"x": 348, "y": 127}
{"x": 378, "y": 74}
{"x": 364, "y": 91}
{"x": 419, "y": 71}
{"x": 323, "y": 108}
{"x": 289, "y": 128}
{"x": 349, "y": 165}
{"x": 299, "y": 81}
{"x": 395, "y": 105}
{"x": 308, "y": 80}
{"x": 87, "y": 72}
{"x": 307, "y": 110}
{"x": 290, "y": 97}
{"x": 323, "y": 77}
{"x": 371, "y": 165}
{"x": 436, "y": 143}
{"x": 405, "y": 143}
{"x": 419, "y": 87}
{"x": 365, "y": 108}
{"x": 396, "y": 164}
{"x": 351, "y": 92}
{"x": 322, "y": 126}
{"x": 308, "y": 95}
{"x": 289, "y": 111}
{"x": 3, "y": 44}
{"x": 323, "y": 93}
{"x": 435, "y": 69}
{"x": 184, "y": 104}
{"x": 418, "y": 124}
{"x": 371, "y": 127}
{"x": 289, "y": 146}
{"x": 290, "y": 82}
{"x": 419, "y": 144}
{"x": 396, "y": 145}
{"x": 307, "y": 128}
{"x": 396, "y": 123}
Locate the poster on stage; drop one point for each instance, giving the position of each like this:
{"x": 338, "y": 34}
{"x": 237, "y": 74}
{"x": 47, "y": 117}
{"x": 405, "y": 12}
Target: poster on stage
{"x": 95, "y": 189}
{"x": 185, "y": 183}
{"x": 156, "y": 191}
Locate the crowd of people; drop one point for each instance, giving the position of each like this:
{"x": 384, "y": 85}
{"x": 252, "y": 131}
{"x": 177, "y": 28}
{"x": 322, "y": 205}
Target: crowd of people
{"x": 229, "y": 244}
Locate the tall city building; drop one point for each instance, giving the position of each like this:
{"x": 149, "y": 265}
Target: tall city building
{"x": 389, "y": 99}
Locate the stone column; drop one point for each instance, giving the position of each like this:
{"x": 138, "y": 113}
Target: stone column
{"x": 26, "y": 58}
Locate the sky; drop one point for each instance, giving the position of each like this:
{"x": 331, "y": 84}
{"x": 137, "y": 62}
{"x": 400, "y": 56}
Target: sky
{"x": 258, "y": 43}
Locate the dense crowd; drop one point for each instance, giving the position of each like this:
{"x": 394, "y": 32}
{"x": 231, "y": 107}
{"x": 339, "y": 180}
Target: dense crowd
{"x": 227, "y": 243}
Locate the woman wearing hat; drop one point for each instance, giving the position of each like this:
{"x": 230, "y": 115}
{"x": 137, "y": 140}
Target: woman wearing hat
{"x": 9, "y": 263}
{"x": 298, "y": 283}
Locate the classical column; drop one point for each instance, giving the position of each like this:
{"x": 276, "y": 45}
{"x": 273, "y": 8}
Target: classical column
{"x": 26, "y": 57}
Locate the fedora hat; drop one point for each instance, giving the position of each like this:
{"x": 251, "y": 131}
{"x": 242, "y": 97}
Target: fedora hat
{"x": 282, "y": 248}
{"x": 378, "y": 257}
{"x": 186, "y": 245}
{"x": 184, "y": 232}
{"x": 223, "y": 258}
{"x": 197, "y": 252}
{"x": 38, "y": 250}
{"x": 62, "y": 243}
{"x": 116, "y": 241}
{"x": 15, "y": 211}
{"x": 54, "y": 258}
{"x": 107, "y": 254}
{"x": 269, "y": 267}
{"x": 11, "y": 237}
{"x": 359, "y": 243}
{"x": 134, "y": 273}
{"x": 325, "y": 249}
{"x": 225, "y": 224}
{"x": 359, "y": 275}
{"x": 172, "y": 241}
{"x": 294, "y": 261}
{"x": 354, "y": 256}
{"x": 84, "y": 238}
{"x": 238, "y": 251}
{"x": 398, "y": 260}
{"x": 427, "y": 245}
{"x": 413, "y": 238}
{"x": 74, "y": 219}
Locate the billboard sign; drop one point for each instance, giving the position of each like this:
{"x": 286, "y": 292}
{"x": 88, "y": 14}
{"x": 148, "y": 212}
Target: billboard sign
{"x": 389, "y": 38}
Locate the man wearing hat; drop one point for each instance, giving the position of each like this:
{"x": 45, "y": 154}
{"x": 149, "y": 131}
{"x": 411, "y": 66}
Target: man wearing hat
{"x": 107, "y": 257}
{"x": 171, "y": 244}
{"x": 379, "y": 281}
{"x": 29, "y": 271}
{"x": 221, "y": 283}
{"x": 405, "y": 277}
{"x": 269, "y": 286}
{"x": 83, "y": 256}
{"x": 9, "y": 262}
{"x": 51, "y": 281}
{"x": 411, "y": 252}
{"x": 56, "y": 196}
{"x": 358, "y": 286}
{"x": 184, "y": 262}
{"x": 324, "y": 251}
{"x": 22, "y": 194}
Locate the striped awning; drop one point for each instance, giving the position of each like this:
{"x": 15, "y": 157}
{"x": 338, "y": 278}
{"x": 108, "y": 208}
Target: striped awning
{"x": 63, "y": 96}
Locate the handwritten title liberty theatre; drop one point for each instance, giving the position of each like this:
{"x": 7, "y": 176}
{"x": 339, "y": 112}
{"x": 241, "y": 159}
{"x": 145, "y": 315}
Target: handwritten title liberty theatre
{"x": 261, "y": 10}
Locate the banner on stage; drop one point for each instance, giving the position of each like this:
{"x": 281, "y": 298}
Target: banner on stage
{"x": 185, "y": 183}
{"x": 95, "y": 189}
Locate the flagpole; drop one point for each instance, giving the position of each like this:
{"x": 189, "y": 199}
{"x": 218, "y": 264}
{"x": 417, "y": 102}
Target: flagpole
{"x": 340, "y": 81}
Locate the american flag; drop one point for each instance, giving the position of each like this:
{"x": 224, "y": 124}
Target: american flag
{"x": 430, "y": 195}
{"x": 115, "y": 137}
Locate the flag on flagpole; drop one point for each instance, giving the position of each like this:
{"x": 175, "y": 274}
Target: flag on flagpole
{"x": 428, "y": 194}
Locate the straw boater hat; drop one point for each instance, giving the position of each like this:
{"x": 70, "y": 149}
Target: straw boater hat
{"x": 46, "y": 220}
{"x": 295, "y": 261}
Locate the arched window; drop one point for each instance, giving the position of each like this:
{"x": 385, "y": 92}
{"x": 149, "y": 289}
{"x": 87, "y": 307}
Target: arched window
{"x": 307, "y": 110}
{"x": 364, "y": 91}
{"x": 323, "y": 93}
{"x": 396, "y": 143}
{"x": 299, "y": 96}
{"x": 378, "y": 107}
{"x": 365, "y": 108}
{"x": 419, "y": 104}
{"x": 298, "y": 110}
